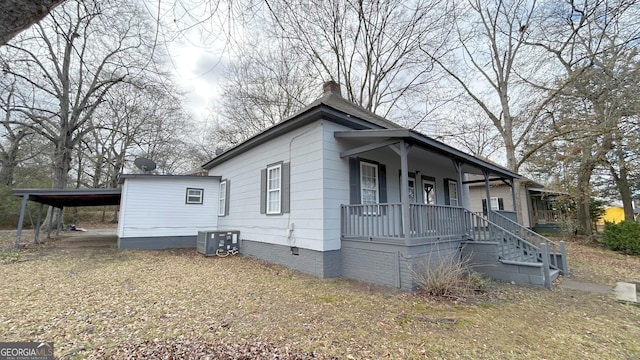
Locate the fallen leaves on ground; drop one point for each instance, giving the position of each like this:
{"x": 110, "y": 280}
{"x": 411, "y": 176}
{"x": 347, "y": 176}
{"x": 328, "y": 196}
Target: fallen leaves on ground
{"x": 200, "y": 349}
{"x": 102, "y": 302}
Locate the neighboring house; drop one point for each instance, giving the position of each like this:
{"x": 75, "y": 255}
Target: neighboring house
{"x": 612, "y": 214}
{"x": 166, "y": 211}
{"x": 339, "y": 191}
{"x": 536, "y": 202}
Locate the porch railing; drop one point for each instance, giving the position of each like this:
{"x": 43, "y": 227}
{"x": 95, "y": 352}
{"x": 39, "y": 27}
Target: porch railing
{"x": 384, "y": 221}
{"x": 547, "y": 217}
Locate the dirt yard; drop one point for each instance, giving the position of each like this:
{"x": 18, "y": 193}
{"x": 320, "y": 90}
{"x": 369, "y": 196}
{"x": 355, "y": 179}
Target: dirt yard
{"x": 94, "y": 301}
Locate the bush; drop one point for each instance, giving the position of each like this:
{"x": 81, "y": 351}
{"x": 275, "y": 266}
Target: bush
{"x": 623, "y": 237}
{"x": 450, "y": 276}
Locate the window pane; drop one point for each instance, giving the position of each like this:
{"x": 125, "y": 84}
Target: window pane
{"x": 453, "y": 193}
{"x": 274, "y": 201}
{"x": 194, "y": 196}
{"x": 222, "y": 198}
{"x": 273, "y": 189}
{"x": 369, "y": 183}
{"x": 429, "y": 193}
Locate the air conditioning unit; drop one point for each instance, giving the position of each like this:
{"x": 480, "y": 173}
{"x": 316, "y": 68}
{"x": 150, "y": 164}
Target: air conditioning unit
{"x": 218, "y": 242}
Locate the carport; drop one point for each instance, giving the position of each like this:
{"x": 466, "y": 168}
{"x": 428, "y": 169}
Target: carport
{"x": 61, "y": 198}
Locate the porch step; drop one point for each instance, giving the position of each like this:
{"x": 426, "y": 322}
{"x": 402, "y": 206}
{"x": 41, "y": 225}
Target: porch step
{"x": 553, "y": 274}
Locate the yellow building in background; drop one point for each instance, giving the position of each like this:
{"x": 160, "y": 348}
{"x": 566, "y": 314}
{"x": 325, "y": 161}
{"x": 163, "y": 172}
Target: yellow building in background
{"x": 612, "y": 214}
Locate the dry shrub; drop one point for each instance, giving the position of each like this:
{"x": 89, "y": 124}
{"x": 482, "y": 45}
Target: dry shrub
{"x": 450, "y": 276}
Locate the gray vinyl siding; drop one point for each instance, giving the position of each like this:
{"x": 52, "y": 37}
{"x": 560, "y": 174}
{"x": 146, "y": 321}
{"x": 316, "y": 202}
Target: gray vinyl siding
{"x": 302, "y": 148}
{"x": 336, "y": 183}
{"x": 155, "y": 207}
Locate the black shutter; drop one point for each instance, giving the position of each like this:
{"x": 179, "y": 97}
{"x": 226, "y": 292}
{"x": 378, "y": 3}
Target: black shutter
{"x": 263, "y": 191}
{"x": 285, "y": 188}
{"x": 226, "y": 198}
{"x": 484, "y": 207}
{"x": 500, "y": 204}
{"x": 354, "y": 181}
{"x": 447, "y": 200}
{"x": 382, "y": 183}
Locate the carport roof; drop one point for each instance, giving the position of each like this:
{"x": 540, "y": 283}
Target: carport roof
{"x": 71, "y": 197}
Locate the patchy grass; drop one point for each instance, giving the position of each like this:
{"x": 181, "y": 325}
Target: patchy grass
{"x": 90, "y": 299}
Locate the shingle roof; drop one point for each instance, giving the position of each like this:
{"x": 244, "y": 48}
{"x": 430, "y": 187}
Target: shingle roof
{"x": 339, "y": 103}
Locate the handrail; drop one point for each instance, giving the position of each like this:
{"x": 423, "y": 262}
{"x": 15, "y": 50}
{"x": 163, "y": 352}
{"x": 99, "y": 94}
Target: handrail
{"x": 557, "y": 251}
{"x": 481, "y": 225}
{"x": 528, "y": 233}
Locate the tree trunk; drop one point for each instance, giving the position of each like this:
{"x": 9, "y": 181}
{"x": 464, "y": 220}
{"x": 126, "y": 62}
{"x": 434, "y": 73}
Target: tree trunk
{"x": 17, "y": 15}
{"x": 583, "y": 200}
{"x": 62, "y": 161}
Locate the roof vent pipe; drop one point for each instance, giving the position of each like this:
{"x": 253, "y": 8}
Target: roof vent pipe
{"x": 331, "y": 87}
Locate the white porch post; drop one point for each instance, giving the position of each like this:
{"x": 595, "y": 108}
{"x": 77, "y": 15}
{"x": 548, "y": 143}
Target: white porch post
{"x": 488, "y": 192}
{"x": 404, "y": 190}
{"x": 458, "y": 166}
{"x": 513, "y": 197}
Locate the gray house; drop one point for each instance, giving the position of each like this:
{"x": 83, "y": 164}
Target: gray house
{"x": 337, "y": 191}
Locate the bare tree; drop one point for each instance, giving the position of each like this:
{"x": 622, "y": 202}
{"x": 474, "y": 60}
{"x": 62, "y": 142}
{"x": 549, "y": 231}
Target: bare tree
{"x": 263, "y": 86}
{"x": 69, "y": 62}
{"x": 370, "y": 47}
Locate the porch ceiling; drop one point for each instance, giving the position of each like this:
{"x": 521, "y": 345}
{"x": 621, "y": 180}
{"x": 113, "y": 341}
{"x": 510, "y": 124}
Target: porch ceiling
{"x": 385, "y": 137}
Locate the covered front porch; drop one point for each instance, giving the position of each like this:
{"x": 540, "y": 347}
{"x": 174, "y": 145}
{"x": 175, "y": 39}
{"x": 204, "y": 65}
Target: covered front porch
{"x": 427, "y": 199}
{"x": 394, "y": 223}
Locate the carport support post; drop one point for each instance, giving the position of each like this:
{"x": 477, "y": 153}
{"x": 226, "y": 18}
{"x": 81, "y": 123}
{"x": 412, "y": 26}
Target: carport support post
{"x": 23, "y": 208}
{"x": 37, "y": 229}
{"x": 52, "y": 210}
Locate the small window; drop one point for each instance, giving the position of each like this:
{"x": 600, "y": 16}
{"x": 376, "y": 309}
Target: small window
{"x": 194, "y": 196}
{"x": 497, "y": 203}
{"x": 368, "y": 183}
{"x": 494, "y": 203}
{"x": 222, "y": 199}
{"x": 274, "y": 188}
{"x": 453, "y": 193}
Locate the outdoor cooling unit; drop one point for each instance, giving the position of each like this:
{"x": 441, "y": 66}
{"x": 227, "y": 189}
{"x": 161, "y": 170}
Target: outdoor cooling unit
{"x": 218, "y": 242}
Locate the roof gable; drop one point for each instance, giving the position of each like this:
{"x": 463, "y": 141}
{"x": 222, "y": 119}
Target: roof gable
{"x": 330, "y": 106}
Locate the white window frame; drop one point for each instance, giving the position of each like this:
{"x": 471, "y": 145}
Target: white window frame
{"x": 222, "y": 199}
{"x": 424, "y": 192}
{"x": 453, "y": 190}
{"x": 497, "y": 203}
{"x": 194, "y": 196}
{"x": 363, "y": 165}
{"x": 274, "y": 193}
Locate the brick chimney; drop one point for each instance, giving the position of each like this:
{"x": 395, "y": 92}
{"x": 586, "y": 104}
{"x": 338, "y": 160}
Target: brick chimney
{"x": 331, "y": 87}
